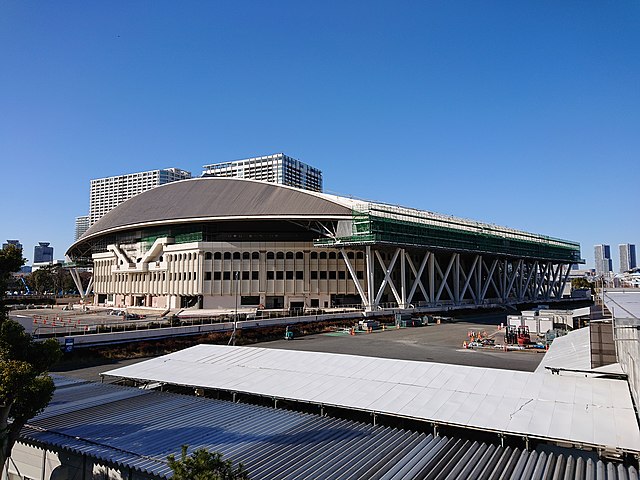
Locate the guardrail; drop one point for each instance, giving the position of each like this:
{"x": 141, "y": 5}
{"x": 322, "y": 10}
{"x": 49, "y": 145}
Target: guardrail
{"x": 90, "y": 338}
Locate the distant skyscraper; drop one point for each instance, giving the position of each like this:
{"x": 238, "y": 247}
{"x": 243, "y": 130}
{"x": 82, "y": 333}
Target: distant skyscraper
{"x": 627, "y": 257}
{"x": 604, "y": 264}
{"x": 109, "y": 192}
{"x": 276, "y": 168}
{"x": 15, "y": 243}
{"x": 82, "y": 225}
{"x": 43, "y": 253}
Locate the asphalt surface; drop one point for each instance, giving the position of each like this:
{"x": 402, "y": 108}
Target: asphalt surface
{"x": 433, "y": 343}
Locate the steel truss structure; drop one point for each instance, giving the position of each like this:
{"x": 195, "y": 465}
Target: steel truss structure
{"x": 429, "y": 278}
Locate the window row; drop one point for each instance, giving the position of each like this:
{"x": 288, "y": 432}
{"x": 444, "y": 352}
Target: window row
{"x": 283, "y": 275}
{"x": 279, "y": 255}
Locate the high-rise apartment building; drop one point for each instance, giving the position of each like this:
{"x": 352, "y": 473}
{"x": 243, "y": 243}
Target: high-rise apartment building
{"x": 627, "y": 257}
{"x": 276, "y": 168}
{"x": 82, "y": 225}
{"x": 15, "y": 243}
{"x": 109, "y": 192}
{"x": 602, "y": 254}
{"x": 43, "y": 253}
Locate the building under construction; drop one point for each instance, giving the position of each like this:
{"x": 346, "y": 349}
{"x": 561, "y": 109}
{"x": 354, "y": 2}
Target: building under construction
{"x": 215, "y": 242}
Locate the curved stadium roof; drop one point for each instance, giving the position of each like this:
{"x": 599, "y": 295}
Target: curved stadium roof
{"x": 216, "y": 198}
{"x": 210, "y": 199}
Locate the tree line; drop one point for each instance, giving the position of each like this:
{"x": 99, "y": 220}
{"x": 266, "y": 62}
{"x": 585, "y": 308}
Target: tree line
{"x": 52, "y": 279}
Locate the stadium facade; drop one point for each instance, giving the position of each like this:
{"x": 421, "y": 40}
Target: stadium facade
{"x": 214, "y": 241}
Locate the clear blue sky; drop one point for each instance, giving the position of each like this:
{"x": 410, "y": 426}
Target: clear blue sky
{"x": 524, "y": 114}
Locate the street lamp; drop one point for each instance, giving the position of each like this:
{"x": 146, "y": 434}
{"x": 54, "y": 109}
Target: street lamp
{"x": 236, "y": 278}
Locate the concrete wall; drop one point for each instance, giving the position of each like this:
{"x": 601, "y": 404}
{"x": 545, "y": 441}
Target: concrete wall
{"x": 603, "y": 351}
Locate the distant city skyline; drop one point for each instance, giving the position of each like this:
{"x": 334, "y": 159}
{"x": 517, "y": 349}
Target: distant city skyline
{"x": 508, "y": 113}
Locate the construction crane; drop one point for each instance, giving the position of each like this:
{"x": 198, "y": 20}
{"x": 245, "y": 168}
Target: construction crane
{"x": 26, "y": 286}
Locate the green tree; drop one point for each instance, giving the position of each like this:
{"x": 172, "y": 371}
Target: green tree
{"x": 25, "y": 386}
{"x": 581, "y": 283}
{"x": 42, "y": 280}
{"x": 10, "y": 261}
{"x": 205, "y": 465}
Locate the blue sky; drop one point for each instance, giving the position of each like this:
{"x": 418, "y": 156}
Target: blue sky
{"x": 523, "y": 114}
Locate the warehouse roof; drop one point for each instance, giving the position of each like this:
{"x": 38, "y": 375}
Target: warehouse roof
{"x": 623, "y": 303}
{"x": 589, "y": 411}
{"x": 573, "y": 352}
{"x": 137, "y": 429}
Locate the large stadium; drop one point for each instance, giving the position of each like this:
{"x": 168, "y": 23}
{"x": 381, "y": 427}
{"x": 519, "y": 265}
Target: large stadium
{"x": 213, "y": 242}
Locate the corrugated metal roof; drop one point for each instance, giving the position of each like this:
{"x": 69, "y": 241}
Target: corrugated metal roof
{"x": 138, "y": 429}
{"x": 573, "y": 352}
{"x": 624, "y": 303}
{"x": 590, "y": 411}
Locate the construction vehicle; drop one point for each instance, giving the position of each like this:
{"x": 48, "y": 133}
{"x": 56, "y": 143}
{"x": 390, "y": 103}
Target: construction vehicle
{"x": 517, "y": 335}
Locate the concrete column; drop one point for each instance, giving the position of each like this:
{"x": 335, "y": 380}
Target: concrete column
{"x": 370, "y": 279}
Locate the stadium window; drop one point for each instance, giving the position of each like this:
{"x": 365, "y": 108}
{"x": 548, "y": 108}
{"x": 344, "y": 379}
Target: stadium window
{"x": 299, "y": 255}
{"x": 207, "y": 275}
{"x": 323, "y": 255}
{"x": 270, "y": 275}
{"x": 270, "y": 256}
{"x": 350, "y": 255}
{"x": 217, "y": 256}
{"x": 254, "y": 275}
{"x": 323, "y": 275}
{"x": 280, "y": 255}
{"x": 342, "y": 275}
{"x": 255, "y": 255}
{"x": 314, "y": 274}
{"x": 226, "y": 275}
{"x": 332, "y": 255}
{"x": 314, "y": 255}
{"x": 289, "y": 256}
{"x": 359, "y": 255}
{"x": 217, "y": 275}
{"x": 207, "y": 256}
{"x": 236, "y": 255}
{"x": 227, "y": 255}
{"x": 279, "y": 275}
{"x": 299, "y": 275}
{"x": 245, "y": 275}
{"x": 332, "y": 275}
{"x": 289, "y": 275}
{"x": 360, "y": 274}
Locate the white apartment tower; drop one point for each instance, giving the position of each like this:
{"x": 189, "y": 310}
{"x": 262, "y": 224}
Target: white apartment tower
{"x": 276, "y": 168}
{"x": 82, "y": 225}
{"x": 627, "y": 257}
{"x": 109, "y": 192}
